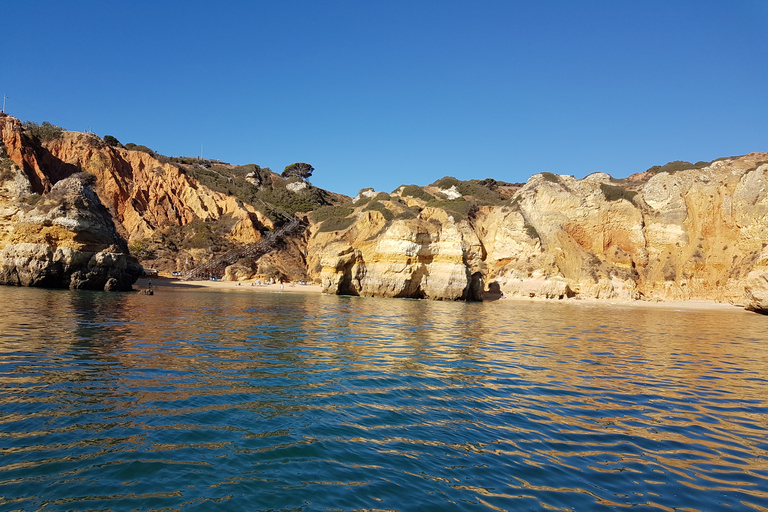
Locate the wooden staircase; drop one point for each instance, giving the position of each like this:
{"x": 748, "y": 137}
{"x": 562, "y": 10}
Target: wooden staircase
{"x": 216, "y": 267}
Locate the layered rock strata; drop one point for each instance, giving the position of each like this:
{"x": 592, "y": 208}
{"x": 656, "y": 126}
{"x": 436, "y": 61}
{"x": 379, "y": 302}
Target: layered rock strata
{"x": 426, "y": 257}
{"x": 694, "y": 234}
{"x": 65, "y": 239}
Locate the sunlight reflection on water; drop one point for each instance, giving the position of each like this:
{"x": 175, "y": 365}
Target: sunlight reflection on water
{"x": 208, "y": 400}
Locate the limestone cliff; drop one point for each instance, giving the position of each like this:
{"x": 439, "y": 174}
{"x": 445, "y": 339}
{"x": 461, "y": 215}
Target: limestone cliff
{"x": 170, "y": 219}
{"x": 692, "y": 234}
{"x": 426, "y": 257}
{"x": 696, "y": 232}
{"x": 65, "y": 239}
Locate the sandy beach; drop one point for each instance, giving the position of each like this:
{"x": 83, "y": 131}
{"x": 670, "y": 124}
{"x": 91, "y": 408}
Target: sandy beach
{"x": 159, "y": 284}
{"x": 692, "y": 305}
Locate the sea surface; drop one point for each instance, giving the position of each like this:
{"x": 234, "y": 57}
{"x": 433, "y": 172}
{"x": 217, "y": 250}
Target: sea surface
{"x": 214, "y": 400}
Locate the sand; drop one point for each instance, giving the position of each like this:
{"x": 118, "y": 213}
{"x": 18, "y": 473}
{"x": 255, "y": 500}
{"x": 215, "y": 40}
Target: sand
{"x": 161, "y": 284}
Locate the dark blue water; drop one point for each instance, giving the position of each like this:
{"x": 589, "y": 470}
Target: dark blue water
{"x": 255, "y": 401}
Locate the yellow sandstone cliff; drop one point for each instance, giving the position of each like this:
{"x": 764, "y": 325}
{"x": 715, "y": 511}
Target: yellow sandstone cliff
{"x": 693, "y": 234}
{"x": 698, "y": 233}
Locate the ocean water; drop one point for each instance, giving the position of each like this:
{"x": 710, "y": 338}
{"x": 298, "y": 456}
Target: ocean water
{"x": 211, "y": 400}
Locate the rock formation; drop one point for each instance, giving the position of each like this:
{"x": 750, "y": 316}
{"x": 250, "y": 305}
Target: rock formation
{"x": 693, "y": 234}
{"x": 696, "y": 232}
{"x": 64, "y": 239}
{"x": 425, "y": 257}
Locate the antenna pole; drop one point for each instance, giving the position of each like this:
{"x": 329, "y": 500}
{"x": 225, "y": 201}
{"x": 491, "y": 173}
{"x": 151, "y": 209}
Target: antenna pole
{"x": 5, "y": 97}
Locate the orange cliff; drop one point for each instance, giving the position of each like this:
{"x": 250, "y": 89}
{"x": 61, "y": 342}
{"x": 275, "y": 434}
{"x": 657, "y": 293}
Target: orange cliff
{"x": 142, "y": 193}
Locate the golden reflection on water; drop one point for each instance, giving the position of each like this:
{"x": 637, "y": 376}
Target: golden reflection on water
{"x": 603, "y": 389}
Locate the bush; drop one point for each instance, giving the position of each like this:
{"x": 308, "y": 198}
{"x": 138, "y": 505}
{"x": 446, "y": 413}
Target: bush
{"x": 677, "y": 165}
{"x": 330, "y": 212}
{"x": 137, "y": 147}
{"x": 553, "y": 178}
{"x": 415, "y": 191}
{"x": 446, "y": 182}
{"x": 5, "y": 169}
{"x": 531, "y": 231}
{"x": 483, "y": 193}
{"x": 379, "y": 207}
{"x": 458, "y": 208}
{"x": 299, "y": 169}
{"x": 614, "y": 193}
{"x": 336, "y": 224}
{"x": 112, "y": 141}
{"x": 45, "y": 132}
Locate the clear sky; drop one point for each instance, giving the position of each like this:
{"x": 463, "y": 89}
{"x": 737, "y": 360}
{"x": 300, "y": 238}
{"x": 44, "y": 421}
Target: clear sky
{"x": 383, "y": 93}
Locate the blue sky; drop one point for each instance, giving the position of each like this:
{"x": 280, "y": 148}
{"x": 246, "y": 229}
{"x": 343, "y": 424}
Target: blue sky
{"x": 379, "y": 94}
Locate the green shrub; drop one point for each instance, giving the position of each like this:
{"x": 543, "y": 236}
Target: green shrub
{"x": 554, "y": 178}
{"x": 446, "y": 182}
{"x": 407, "y": 213}
{"x": 5, "y": 169}
{"x": 336, "y": 224}
{"x": 364, "y": 200}
{"x": 677, "y": 165}
{"x": 415, "y": 191}
{"x": 482, "y": 191}
{"x": 330, "y": 212}
{"x": 112, "y": 141}
{"x": 483, "y": 194}
{"x": 137, "y": 147}
{"x": 531, "y": 231}
{"x": 379, "y": 207}
{"x": 459, "y": 208}
{"x": 614, "y": 193}
{"x": 44, "y": 132}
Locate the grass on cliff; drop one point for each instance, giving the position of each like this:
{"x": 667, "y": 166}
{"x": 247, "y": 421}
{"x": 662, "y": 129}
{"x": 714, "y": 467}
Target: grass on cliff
{"x": 614, "y": 193}
{"x": 481, "y": 192}
{"x": 415, "y": 191}
{"x": 333, "y": 218}
{"x": 677, "y": 165}
{"x": 5, "y": 168}
{"x": 460, "y": 209}
{"x": 378, "y": 206}
{"x": 45, "y": 132}
{"x": 271, "y": 196}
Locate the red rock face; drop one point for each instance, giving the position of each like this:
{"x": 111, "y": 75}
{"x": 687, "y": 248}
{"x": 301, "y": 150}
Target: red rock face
{"x": 143, "y": 193}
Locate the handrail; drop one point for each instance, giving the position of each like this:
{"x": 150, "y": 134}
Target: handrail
{"x": 217, "y": 266}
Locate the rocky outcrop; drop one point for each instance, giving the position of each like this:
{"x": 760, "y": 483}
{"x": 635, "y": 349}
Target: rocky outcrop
{"x": 693, "y": 234}
{"x": 65, "y": 239}
{"x": 142, "y": 193}
{"x": 697, "y": 233}
{"x": 425, "y": 257}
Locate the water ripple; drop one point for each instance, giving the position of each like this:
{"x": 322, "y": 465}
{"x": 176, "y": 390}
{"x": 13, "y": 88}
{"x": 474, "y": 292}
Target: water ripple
{"x": 206, "y": 401}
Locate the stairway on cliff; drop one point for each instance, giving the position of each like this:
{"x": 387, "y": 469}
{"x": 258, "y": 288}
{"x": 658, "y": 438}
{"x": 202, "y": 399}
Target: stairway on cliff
{"x": 217, "y": 266}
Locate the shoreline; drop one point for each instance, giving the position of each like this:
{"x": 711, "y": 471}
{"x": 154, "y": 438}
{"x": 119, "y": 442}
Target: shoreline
{"x": 239, "y": 286}
{"x": 689, "y": 305}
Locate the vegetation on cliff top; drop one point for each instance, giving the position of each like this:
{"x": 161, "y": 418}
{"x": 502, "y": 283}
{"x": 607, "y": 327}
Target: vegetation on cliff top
{"x": 42, "y": 132}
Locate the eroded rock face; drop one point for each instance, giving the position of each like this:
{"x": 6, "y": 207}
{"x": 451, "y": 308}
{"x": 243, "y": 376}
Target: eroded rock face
{"x": 64, "y": 239}
{"x": 694, "y": 234}
{"x": 756, "y": 289}
{"x": 420, "y": 258}
{"x": 142, "y": 193}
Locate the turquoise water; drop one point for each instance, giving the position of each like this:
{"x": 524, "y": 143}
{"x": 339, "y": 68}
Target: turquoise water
{"x": 254, "y": 401}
